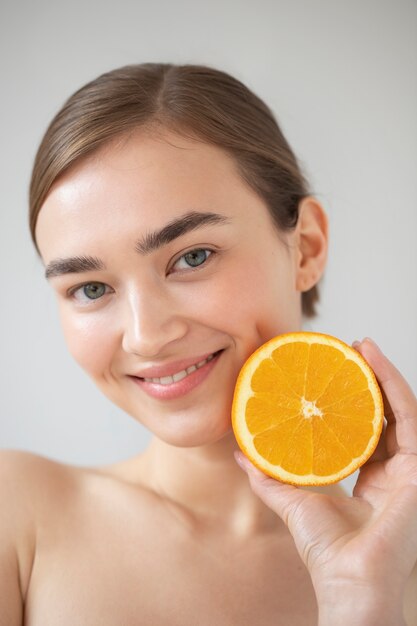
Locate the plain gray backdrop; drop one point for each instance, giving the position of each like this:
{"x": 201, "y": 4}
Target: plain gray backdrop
{"x": 341, "y": 76}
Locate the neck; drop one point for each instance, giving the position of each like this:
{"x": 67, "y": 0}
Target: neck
{"x": 205, "y": 484}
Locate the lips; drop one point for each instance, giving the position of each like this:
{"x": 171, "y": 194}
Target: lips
{"x": 168, "y": 380}
{"x": 171, "y": 369}
{"x": 167, "y": 388}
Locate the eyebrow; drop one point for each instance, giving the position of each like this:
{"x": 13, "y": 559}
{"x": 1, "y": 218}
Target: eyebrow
{"x": 176, "y": 228}
{"x": 73, "y": 265}
{"x": 150, "y": 242}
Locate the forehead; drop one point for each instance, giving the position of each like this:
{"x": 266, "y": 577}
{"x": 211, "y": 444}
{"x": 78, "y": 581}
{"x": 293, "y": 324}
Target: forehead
{"x": 140, "y": 182}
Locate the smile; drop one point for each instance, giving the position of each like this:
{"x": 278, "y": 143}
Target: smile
{"x": 168, "y": 380}
{"x": 180, "y": 383}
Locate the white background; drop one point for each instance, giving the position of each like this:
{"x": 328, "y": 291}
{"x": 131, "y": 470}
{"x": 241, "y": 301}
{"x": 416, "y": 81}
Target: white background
{"x": 341, "y": 76}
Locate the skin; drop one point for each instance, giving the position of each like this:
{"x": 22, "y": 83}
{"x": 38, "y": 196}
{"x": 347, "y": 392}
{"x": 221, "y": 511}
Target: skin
{"x": 179, "y": 530}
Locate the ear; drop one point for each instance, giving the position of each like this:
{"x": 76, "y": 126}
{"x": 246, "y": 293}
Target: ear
{"x": 311, "y": 235}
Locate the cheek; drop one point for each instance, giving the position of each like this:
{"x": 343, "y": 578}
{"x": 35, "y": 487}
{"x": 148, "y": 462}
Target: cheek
{"x": 249, "y": 303}
{"x": 89, "y": 340}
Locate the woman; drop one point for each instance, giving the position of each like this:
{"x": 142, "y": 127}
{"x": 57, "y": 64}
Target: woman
{"x": 179, "y": 235}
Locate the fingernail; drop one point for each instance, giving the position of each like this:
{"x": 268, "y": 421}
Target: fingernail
{"x": 372, "y": 342}
{"x": 356, "y": 344}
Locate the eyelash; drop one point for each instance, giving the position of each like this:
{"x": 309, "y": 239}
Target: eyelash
{"x": 72, "y": 292}
{"x": 194, "y": 250}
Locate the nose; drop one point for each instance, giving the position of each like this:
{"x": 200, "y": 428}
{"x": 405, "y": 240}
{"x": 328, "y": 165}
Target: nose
{"x": 150, "y": 324}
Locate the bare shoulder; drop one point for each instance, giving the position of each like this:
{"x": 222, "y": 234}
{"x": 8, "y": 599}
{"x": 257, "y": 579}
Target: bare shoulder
{"x": 41, "y": 497}
{"x": 35, "y": 491}
{"x": 26, "y": 477}
{"x": 26, "y": 482}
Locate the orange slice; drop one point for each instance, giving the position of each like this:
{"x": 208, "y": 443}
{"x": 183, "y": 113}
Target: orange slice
{"x": 307, "y": 409}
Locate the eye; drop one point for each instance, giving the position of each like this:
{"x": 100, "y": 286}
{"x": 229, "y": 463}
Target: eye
{"x": 88, "y": 292}
{"x": 193, "y": 258}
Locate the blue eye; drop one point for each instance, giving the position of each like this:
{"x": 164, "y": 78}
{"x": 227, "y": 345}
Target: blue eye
{"x": 194, "y": 258}
{"x": 89, "y": 292}
{"x": 94, "y": 290}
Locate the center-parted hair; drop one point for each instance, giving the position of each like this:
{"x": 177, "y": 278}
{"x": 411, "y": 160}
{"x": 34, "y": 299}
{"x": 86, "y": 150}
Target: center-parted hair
{"x": 192, "y": 100}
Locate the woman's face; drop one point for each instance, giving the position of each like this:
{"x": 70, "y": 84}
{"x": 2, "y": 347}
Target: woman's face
{"x": 161, "y": 256}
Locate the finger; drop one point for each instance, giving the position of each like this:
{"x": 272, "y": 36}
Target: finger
{"x": 400, "y": 403}
{"x": 391, "y": 443}
{"x": 283, "y": 499}
{"x": 381, "y": 452}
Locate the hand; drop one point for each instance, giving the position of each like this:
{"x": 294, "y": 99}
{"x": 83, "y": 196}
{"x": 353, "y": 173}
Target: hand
{"x": 365, "y": 545}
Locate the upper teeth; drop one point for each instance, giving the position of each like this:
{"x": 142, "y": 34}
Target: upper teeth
{"x": 168, "y": 380}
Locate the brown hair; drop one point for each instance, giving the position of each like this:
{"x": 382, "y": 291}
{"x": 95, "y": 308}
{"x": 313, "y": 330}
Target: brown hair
{"x": 194, "y": 99}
